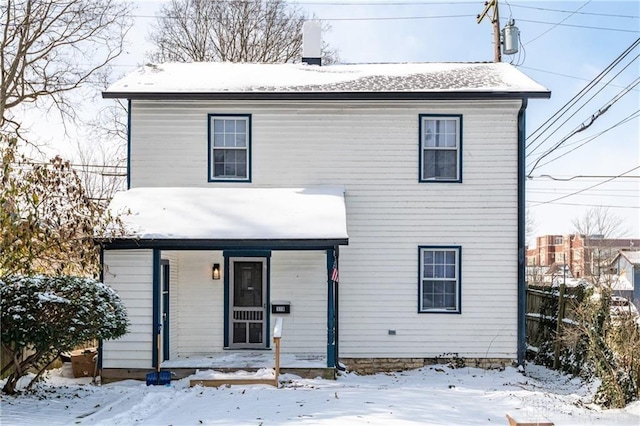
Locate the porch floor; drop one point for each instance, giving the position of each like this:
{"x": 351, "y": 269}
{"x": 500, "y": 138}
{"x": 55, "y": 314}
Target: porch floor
{"x": 306, "y": 365}
{"x": 249, "y": 360}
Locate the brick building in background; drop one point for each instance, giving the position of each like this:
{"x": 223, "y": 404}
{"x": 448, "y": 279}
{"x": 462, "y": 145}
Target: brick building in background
{"x": 579, "y": 253}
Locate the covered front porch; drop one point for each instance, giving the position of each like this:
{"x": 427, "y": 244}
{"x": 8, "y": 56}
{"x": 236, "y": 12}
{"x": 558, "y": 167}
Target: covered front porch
{"x": 309, "y": 365}
{"x": 210, "y": 303}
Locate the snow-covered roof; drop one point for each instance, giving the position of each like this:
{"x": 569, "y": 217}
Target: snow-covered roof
{"x": 232, "y": 213}
{"x": 201, "y": 78}
{"x": 632, "y": 256}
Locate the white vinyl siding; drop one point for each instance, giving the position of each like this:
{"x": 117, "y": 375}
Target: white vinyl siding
{"x": 130, "y": 274}
{"x": 371, "y": 150}
{"x": 301, "y": 278}
{"x": 201, "y": 304}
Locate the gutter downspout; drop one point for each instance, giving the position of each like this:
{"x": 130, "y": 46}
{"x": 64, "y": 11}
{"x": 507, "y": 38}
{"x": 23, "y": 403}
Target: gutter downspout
{"x": 522, "y": 286}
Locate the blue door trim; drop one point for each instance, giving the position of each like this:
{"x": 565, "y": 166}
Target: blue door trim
{"x": 247, "y": 253}
{"x": 331, "y": 341}
{"x": 166, "y": 269}
{"x": 156, "y": 307}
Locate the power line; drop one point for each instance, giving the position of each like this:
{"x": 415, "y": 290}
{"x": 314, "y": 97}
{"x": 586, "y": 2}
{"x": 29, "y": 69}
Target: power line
{"x": 371, "y": 18}
{"x": 591, "y": 120}
{"x": 586, "y": 195}
{"x": 566, "y": 75}
{"x": 627, "y": 119}
{"x": 585, "y": 205}
{"x": 586, "y": 189}
{"x": 71, "y": 165}
{"x": 623, "y": 30}
{"x": 581, "y": 177}
{"x": 556, "y": 25}
{"x": 577, "y": 12}
{"x": 571, "y": 102}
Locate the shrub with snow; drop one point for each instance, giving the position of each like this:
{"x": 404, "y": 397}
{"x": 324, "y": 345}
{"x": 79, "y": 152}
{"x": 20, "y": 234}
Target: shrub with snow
{"x": 42, "y": 316}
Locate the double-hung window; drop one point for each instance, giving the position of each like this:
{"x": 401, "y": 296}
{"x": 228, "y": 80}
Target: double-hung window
{"x": 440, "y": 148}
{"x": 439, "y": 286}
{"x": 229, "y": 148}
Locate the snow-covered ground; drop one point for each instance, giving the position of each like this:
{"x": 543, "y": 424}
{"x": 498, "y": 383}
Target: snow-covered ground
{"x": 435, "y": 395}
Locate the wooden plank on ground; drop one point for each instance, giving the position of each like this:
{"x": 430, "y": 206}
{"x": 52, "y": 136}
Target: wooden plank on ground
{"x": 513, "y": 422}
{"x": 223, "y": 382}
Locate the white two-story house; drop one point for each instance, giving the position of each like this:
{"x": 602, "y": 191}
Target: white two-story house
{"x": 379, "y": 209}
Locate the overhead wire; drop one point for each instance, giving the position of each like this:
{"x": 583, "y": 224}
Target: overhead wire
{"x": 558, "y": 24}
{"x": 557, "y": 178}
{"x": 610, "y": 15}
{"x": 627, "y": 119}
{"x": 566, "y": 75}
{"x": 622, "y": 30}
{"x": 585, "y": 189}
{"x": 586, "y": 205}
{"x": 585, "y": 125}
{"x": 571, "y": 102}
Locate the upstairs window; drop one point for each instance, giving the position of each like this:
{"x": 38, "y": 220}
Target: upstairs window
{"x": 229, "y": 148}
{"x": 440, "y": 148}
{"x": 439, "y": 286}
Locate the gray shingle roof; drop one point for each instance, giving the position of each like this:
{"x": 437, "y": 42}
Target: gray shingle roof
{"x": 226, "y": 78}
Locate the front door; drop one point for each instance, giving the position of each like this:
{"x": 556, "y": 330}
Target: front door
{"x": 247, "y": 313}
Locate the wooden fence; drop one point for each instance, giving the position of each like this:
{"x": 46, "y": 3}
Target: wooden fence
{"x": 549, "y": 312}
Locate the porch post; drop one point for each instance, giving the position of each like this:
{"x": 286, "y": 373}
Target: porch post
{"x": 331, "y": 341}
{"x": 156, "y": 307}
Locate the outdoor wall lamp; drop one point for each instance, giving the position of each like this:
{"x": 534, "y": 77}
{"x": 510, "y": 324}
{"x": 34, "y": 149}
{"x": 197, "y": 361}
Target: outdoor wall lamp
{"x": 215, "y": 271}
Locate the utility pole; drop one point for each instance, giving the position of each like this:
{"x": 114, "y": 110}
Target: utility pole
{"x": 495, "y": 20}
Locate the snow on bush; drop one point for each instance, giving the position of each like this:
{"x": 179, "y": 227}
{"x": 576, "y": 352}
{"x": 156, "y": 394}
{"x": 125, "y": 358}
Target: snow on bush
{"x": 42, "y": 316}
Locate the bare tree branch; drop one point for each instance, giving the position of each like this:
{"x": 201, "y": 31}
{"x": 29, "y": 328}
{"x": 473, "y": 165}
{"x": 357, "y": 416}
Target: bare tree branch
{"x": 50, "y": 48}
{"x": 234, "y": 31}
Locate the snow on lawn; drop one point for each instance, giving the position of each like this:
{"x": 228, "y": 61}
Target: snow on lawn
{"x": 435, "y": 395}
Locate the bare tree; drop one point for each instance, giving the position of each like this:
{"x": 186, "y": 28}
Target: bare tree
{"x": 50, "y": 48}
{"x": 102, "y": 167}
{"x": 234, "y": 31}
{"x": 610, "y": 339}
{"x": 102, "y": 151}
{"x": 598, "y": 227}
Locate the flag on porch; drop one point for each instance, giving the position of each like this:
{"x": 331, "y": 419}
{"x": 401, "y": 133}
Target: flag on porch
{"x": 334, "y": 271}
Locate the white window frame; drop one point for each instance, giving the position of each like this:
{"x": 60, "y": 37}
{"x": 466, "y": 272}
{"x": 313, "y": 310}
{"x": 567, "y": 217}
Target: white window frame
{"x": 426, "y": 275}
{"x": 423, "y": 125}
{"x": 213, "y": 147}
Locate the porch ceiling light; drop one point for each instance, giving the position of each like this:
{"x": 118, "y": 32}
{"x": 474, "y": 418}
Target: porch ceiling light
{"x": 215, "y": 271}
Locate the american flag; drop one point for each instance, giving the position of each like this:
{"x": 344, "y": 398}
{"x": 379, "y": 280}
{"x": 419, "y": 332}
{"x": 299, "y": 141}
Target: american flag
{"x": 334, "y": 271}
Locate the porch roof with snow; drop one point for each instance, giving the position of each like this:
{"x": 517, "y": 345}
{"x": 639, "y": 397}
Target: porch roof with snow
{"x": 229, "y": 217}
{"x": 393, "y": 81}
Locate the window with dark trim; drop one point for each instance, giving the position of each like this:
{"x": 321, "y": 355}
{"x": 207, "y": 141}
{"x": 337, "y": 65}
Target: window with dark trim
{"x": 229, "y": 148}
{"x": 440, "y": 148}
{"x": 439, "y": 283}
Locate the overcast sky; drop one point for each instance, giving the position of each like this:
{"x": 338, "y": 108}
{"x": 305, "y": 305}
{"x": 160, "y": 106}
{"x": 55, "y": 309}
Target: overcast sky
{"x": 564, "y": 46}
